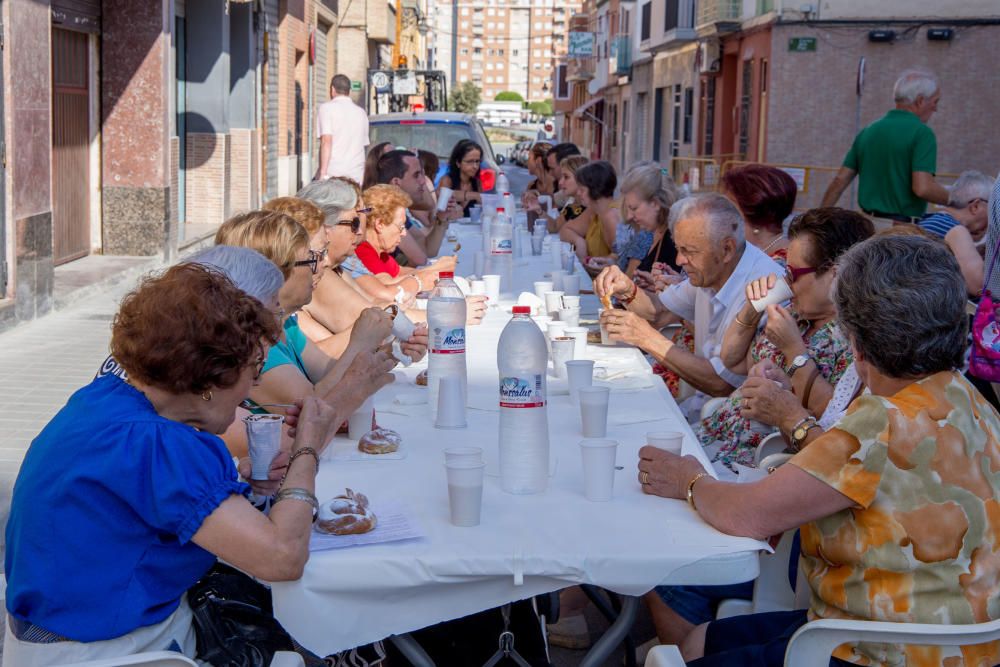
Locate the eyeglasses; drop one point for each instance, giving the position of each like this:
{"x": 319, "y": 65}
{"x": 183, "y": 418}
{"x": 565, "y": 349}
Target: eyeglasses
{"x": 794, "y": 272}
{"x": 315, "y": 257}
{"x": 475, "y": 162}
{"x": 355, "y": 222}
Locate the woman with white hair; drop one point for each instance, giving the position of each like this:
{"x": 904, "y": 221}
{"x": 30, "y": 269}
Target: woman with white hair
{"x": 962, "y": 224}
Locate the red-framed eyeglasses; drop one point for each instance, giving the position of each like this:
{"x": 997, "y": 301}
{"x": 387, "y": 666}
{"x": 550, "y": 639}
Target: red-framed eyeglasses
{"x": 795, "y": 272}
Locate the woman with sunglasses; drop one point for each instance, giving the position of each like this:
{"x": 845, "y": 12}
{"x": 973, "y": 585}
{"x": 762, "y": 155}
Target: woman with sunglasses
{"x": 804, "y": 342}
{"x": 295, "y": 367}
{"x": 339, "y": 300}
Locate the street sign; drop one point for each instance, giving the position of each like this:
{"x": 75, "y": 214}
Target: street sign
{"x": 381, "y": 81}
{"x": 355, "y": 86}
{"x": 404, "y": 83}
{"x": 802, "y": 44}
{"x": 581, "y": 44}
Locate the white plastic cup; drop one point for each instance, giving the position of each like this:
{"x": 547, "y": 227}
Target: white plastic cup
{"x": 571, "y": 316}
{"x": 477, "y": 287}
{"x": 476, "y": 213}
{"x": 780, "y": 293}
{"x": 598, "y": 468}
{"x": 463, "y": 455}
{"x": 594, "y": 411}
{"x": 579, "y": 336}
{"x": 264, "y": 441}
{"x": 362, "y": 420}
{"x": 579, "y": 373}
{"x": 553, "y": 302}
{"x": 465, "y": 492}
{"x": 554, "y": 330}
{"x": 557, "y": 280}
{"x": 541, "y": 287}
{"x": 402, "y": 327}
{"x": 670, "y": 441}
{"x": 451, "y": 406}
{"x": 562, "y": 351}
{"x": 479, "y": 263}
{"x": 570, "y": 301}
{"x": 571, "y": 285}
{"x": 536, "y": 244}
{"x": 492, "y": 290}
{"x": 444, "y": 194}
{"x": 555, "y": 253}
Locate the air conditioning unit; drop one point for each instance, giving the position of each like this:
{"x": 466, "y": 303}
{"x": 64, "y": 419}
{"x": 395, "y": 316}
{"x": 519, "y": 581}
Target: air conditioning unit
{"x": 708, "y": 57}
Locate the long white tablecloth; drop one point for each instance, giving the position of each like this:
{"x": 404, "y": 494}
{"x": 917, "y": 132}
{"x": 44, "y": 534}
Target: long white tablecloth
{"x": 526, "y": 545}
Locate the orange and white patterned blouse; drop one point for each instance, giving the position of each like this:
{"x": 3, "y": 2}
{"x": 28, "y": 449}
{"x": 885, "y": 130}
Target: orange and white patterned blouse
{"x": 923, "y": 543}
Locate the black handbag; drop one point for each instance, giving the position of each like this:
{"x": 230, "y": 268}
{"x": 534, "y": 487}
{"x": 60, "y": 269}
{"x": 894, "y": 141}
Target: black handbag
{"x": 234, "y": 621}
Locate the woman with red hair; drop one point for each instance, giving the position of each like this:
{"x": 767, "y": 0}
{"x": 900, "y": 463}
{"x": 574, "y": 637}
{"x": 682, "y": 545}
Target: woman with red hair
{"x": 765, "y": 196}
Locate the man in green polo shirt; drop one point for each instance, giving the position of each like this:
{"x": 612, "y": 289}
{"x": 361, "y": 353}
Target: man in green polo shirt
{"x": 896, "y": 156}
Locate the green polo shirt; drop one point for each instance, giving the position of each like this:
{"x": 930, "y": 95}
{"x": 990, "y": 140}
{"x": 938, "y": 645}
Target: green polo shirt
{"x": 885, "y": 154}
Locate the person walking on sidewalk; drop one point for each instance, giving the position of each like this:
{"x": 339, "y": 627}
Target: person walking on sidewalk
{"x": 342, "y": 127}
{"x": 895, "y": 157}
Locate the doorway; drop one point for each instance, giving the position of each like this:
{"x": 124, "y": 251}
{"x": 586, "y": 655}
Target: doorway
{"x": 70, "y": 145}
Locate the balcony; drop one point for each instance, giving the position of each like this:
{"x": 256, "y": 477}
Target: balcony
{"x": 622, "y": 50}
{"x": 381, "y": 23}
{"x": 718, "y": 15}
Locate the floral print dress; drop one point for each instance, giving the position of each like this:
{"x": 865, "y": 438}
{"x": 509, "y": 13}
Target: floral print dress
{"x": 738, "y": 436}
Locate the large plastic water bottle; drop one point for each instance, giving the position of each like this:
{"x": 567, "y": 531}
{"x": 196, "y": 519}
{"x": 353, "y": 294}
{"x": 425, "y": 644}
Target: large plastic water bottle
{"x": 446, "y": 325}
{"x": 501, "y": 252}
{"x": 503, "y": 184}
{"x": 522, "y": 359}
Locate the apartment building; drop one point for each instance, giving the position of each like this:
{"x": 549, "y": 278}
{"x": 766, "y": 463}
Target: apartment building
{"x": 783, "y": 83}
{"x": 501, "y": 45}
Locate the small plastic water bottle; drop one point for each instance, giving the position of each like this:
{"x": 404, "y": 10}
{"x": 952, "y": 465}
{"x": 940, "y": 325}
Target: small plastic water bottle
{"x": 503, "y": 184}
{"x": 501, "y": 252}
{"x": 446, "y": 325}
{"x": 522, "y": 360}
{"x": 509, "y": 205}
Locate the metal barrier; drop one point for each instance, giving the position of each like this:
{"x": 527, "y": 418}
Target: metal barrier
{"x": 812, "y": 181}
{"x": 701, "y": 173}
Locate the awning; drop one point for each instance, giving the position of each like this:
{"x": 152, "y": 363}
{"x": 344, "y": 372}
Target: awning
{"x": 585, "y": 107}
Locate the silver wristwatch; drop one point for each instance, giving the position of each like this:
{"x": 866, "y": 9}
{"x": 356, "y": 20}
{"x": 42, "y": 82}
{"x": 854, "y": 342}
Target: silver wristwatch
{"x": 797, "y": 363}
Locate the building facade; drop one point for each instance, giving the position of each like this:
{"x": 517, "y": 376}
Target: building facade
{"x": 704, "y": 85}
{"x": 133, "y": 129}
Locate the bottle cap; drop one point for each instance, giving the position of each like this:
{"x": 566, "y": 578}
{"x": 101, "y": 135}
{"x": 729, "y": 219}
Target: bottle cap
{"x": 446, "y": 275}
{"x": 522, "y": 310}
{"x": 501, "y": 209}
{"x": 505, "y": 194}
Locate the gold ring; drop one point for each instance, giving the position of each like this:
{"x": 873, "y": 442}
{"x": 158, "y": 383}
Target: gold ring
{"x": 643, "y": 477}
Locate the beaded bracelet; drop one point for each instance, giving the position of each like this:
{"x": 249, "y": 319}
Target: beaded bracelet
{"x": 299, "y": 452}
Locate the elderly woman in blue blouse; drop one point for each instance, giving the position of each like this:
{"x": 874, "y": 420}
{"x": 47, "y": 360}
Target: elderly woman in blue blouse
{"x": 127, "y": 497}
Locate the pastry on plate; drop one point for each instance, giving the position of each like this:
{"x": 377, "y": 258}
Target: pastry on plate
{"x": 379, "y": 441}
{"x": 346, "y": 515}
{"x": 422, "y": 378}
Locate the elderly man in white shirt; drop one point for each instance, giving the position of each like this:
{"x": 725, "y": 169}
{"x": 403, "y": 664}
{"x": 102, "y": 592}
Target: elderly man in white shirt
{"x": 342, "y": 127}
{"x": 708, "y": 233}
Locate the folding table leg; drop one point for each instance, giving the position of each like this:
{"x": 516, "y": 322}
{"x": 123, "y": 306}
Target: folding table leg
{"x": 602, "y": 650}
{"x": 413, "y": 652}
{"x": 610, "y": 613}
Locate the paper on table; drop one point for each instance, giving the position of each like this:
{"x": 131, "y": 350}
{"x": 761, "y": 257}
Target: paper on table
{"x": 342, "y": 449}
{"x": 393, "y": 526}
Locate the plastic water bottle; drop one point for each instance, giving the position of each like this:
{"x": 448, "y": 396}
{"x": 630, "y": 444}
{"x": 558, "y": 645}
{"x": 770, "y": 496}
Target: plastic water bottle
{"x": 503, "y": 185}
{"x": 446, "y": 325}
{"x": 522, "y": 359}
{"x": 509, "y": 204}
{"x": 501, "y": 257}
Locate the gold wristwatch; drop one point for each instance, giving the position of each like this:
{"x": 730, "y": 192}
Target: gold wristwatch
{"x": 801, "y": 430}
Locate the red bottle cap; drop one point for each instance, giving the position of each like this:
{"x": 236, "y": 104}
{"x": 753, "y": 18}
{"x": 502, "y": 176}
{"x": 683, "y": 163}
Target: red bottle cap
{"x": 522, "y": 310}
{"x": 446, "y": 274}
{"x": 501, "y": 209}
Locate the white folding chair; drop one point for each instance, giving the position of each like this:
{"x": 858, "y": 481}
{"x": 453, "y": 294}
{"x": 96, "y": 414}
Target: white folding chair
{"x": 772, "y": 444}
{"x": 173, "y": 659}
{"x": 814, "y": 642}
{"x": 771, "y": 589}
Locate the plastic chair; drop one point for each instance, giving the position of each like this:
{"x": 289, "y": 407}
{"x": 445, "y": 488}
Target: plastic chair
{"x": 173, "y": 659}
{"x": 814, "y": 642}
{"x": 771, "y": 589}
{"x": 772, "y": 444}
